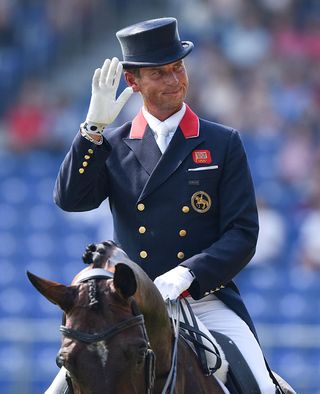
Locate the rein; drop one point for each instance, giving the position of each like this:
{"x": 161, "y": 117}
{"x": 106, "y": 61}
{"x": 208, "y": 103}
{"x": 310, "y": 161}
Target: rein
{"x": 174, "y": 312}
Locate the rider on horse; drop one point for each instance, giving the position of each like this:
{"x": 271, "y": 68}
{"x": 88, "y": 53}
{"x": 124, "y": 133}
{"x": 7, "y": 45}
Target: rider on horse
{"x": 179, "y": 187}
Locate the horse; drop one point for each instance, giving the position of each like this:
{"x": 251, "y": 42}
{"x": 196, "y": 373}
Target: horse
{"x": 117, "y": 335}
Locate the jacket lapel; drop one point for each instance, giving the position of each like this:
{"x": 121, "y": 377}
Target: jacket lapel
{"x": 146, "y": 150}
{"x": 142, "y": 142}
{"x": 178, "y": 149}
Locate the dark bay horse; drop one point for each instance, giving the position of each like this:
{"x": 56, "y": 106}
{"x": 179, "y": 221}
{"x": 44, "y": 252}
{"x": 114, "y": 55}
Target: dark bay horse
{"x": 115, "y": 326}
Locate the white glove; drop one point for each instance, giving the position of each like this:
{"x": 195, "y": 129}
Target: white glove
{"x": 104, "y": 108}
{"x": 174, "y": 282}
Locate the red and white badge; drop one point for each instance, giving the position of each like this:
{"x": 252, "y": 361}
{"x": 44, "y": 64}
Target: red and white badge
{"x": 202, "y": 156}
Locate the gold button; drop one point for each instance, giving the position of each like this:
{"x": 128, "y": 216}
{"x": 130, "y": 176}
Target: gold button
{"x": 143, "y": 254}
{"x": 87, "y": 157}
{"x": 81, "y": 170}
{"x": 180, "y": 255}
{"x": 85, "y": 163}
{"x": 185, "y": 209}
{"x": 182, "y": 233}
{"x": 140, "y": 207}
{"x": 90, "y": 151}
{"x": 142, "y": 230}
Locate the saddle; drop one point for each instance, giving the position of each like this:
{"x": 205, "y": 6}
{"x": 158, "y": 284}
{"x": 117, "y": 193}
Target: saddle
{"x": 230, "y": 366}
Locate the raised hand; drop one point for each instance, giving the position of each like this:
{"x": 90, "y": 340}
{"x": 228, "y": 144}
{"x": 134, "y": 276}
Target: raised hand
{"x": 104, "y": 107}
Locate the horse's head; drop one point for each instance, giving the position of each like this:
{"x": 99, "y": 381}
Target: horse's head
{"x": 104, "y": 345}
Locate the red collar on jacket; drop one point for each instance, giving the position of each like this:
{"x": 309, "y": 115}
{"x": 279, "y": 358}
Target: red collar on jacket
{"x": 189, "y": 125}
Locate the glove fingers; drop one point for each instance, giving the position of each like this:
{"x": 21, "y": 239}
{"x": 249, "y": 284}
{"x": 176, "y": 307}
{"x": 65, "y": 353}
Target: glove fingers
{"x": 124, "y": 97}
{"x": 118, "y": 74}
{"x": 96, "y": 78}
{"x": 104, "y": 71}
{"x": 112, "y": 72}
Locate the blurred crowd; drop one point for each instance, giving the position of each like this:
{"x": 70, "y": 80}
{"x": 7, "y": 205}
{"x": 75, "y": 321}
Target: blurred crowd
{"x": 255, "y": 67}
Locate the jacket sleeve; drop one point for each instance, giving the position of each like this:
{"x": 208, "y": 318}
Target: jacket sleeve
{"x": 82, "y": 182}
{"x": 217, "y": 265}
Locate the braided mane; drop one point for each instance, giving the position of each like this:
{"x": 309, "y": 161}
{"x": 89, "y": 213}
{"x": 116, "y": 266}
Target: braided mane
{"x": 93, "y": 294}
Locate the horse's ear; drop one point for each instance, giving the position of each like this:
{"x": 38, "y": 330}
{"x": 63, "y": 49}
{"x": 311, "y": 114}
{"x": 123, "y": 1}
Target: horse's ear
{"x": 124, "y": 280}
{"x": 55, "y": 292}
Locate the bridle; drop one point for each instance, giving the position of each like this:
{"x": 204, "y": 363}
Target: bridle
{"x": 104, "y": 335}
{"x": 136, "y": 320}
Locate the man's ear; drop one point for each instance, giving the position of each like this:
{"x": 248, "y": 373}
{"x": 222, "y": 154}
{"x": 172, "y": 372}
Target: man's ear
{"x": 131, "y": 80}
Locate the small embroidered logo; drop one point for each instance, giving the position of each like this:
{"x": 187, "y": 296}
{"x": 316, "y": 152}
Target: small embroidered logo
{"x": 202, "y": 156}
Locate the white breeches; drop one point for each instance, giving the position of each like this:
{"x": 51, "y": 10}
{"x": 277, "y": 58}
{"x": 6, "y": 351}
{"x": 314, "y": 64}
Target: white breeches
{"x": 214, "y": 315}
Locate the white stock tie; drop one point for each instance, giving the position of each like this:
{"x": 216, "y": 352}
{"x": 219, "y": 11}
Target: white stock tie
{"x": 162, "y": 135}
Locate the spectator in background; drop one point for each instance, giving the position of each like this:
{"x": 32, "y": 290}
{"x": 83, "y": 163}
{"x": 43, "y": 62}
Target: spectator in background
{"x": 271, "y": 239}
{"x": 62, "y": 113}
{"x": 8, "y": 51}
{"x": 308, "y": 251}
{"x": 297, "y": 156}
{"x": 26, "y": 121}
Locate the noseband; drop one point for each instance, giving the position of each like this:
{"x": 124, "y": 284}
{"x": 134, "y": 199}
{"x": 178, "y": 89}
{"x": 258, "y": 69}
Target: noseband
{"x": 104, "y": 335}
{"x": 98, "y": 273}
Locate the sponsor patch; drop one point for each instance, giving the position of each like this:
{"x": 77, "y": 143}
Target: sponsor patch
{"x": 202, "y": 156}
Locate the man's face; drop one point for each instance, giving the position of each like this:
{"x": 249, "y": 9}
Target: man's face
{"x": 163, "y": 88}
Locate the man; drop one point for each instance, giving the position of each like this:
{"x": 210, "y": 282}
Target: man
{"x": 179, "y": 187}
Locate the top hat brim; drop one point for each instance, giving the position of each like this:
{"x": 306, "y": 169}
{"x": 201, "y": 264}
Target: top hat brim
{"x": 162, "y": 59}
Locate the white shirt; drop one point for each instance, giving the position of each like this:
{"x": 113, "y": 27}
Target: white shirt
{"x": 171, "y": 123}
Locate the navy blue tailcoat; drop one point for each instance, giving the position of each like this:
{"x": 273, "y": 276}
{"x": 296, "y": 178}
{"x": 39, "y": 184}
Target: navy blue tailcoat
{"x": 194, "y": 205}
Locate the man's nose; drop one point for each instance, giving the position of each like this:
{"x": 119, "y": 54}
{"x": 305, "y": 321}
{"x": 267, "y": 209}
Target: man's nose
{"x": 171, "y": 78}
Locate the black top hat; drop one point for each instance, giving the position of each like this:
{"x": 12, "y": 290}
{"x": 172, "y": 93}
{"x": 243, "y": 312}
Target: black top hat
{"x": 152, "y": 43}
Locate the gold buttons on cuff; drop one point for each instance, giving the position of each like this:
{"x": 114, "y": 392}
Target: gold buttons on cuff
{"x": 87, "y": 157}
{"x": 141, "y": 207}
{"x": 185, "y": 209}
{"x": 182, "y": 233}
{"x": 81, "y": 170}
{"x": 143, "y": 254}
{"x": 84, "y": 164}
{"x": 142, "y": 229}
{"x": 90, "y": 151}
{"x": 180, "y": 255}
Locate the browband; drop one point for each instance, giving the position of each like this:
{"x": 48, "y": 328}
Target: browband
{"x": 94, "y": 273}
